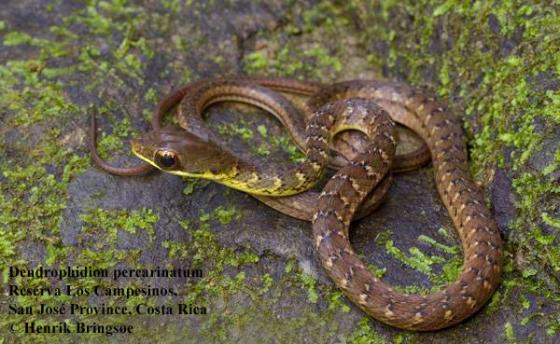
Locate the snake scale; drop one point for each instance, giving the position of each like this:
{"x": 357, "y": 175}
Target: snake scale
{"x": 358, "y": 105}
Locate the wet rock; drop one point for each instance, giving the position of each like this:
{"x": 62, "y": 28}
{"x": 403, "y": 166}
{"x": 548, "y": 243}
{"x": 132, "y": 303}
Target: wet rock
{"x": 503, "y": 201}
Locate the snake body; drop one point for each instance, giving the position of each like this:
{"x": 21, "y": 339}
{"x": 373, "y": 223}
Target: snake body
{"x": 482, "y": 244}
{"x": 203, "y": 155}
{"x": 348, "y": 143}
{"x": 336, "y": 108}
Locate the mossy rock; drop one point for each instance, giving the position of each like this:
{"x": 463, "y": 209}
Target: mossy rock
{"x": 496, "y": 63}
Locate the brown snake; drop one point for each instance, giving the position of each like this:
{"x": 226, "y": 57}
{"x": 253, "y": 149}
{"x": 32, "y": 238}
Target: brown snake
{"x": 482, "y": 245}
{"x": 244, "y": 90}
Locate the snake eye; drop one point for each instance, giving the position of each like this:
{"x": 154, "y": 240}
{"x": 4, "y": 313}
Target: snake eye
{"x": 166, "y": 158}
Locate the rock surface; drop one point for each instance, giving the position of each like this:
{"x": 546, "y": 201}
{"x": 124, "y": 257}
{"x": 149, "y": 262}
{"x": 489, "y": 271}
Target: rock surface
{"x": 262, "y": 281}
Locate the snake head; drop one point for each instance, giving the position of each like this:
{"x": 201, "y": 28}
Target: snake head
{"x": 183, "y": 153}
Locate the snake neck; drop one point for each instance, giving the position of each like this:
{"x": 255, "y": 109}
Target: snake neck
{"x": 257, "y": 180}
{"x": 246, "y": 176}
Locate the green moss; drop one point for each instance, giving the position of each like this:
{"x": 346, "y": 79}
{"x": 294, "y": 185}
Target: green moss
{"x": 553, "y": 328}
{"x": 240, "y": 130}
{"x": 262, "y": 150}
{"x": 337, "y": 301}
{"x": 31, "y": 200}
{"x": 192, "y": 184}
{"x": 432, "y": 242}
{"x": 266, "y": 283}
{"x": 310, "y": 284}
{"x": 422, "y": 262}
{"x": 286, "y": 144}
{"x": 7, "y": 250}
{"x": 223, "y": 214}
{"x": 363, "y": 334}
{"x": 297, "y": 55}
{"x": 18, "y": 38}
{"x": 227, "y": 214}
{"x": 111, "y": 143}
{"x": 549, "y": 220}
{"x": 262, "y": 130}
{"x": 324, "y": 59}
{"x": 509, "y": 333}
{"x": 97, "y": 222}
{"x": 256, "y": 61}
{"x": 416, "y": 260}
{"x": 376, "y": 271}
{"x": 243, "y": 130}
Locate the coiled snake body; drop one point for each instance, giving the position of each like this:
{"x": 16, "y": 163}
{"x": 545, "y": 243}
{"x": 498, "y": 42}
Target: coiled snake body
{"x": 482, "y": 244}
{"x": 338, "y": 107}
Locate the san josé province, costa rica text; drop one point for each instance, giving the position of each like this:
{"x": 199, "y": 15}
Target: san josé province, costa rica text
{"x": 58, "y": 301}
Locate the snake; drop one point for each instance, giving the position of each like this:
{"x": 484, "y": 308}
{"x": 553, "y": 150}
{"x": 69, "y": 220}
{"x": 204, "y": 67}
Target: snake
{"x": 464, "y": 201}
{"x": 246, "y": 90}
{"x": 359, "y": 105}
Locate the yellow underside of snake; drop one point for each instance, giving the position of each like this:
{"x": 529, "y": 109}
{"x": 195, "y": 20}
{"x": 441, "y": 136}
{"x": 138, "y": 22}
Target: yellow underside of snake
{"x": 363, "y": 106}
